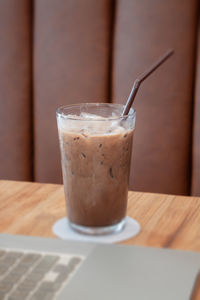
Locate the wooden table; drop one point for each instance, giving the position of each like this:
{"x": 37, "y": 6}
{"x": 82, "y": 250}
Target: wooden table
{"x": 166, "y": 221}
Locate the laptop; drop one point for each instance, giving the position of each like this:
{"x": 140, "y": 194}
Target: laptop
{"x": 36, "y": 268}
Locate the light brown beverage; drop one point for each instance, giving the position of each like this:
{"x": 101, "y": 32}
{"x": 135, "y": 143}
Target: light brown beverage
{"x": 96, "y": 154}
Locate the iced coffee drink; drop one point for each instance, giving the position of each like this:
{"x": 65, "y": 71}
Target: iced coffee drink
{"x": 95, "y": 144}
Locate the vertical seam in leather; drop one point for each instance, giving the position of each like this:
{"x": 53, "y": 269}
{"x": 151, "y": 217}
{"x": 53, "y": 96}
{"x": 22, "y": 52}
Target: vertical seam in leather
{"x": 111, "y": 46}
{"x": 31, "y": 90}
{"x": 190, "y": 163}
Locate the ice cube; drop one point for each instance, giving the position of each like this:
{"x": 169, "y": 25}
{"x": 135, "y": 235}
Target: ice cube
{"x": 88, "y": 116}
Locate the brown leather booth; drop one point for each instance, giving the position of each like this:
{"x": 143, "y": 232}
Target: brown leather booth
{"x": 56, "y": 52}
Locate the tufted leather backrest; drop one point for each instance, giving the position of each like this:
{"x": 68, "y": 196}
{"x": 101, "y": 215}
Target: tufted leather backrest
{"x": 164, "y": 104}
{"x": 71, "y": 62}
{"x": 195, "y": 180}
{"x": 91, "y": 51}
{"x": 15, "y": 90}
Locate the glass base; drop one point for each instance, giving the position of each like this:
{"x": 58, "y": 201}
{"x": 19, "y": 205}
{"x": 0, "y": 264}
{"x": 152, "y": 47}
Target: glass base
{"x": 98, "y": 230}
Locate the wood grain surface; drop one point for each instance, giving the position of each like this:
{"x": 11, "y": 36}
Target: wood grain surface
{"x": 166, "y": 221}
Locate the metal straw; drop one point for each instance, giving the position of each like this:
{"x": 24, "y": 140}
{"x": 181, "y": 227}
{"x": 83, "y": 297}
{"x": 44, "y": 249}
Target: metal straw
{"x": 141, "y": 78}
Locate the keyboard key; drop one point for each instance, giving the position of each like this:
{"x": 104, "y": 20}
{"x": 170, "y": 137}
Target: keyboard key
{"x": 20, "y": 269}
{"x": 18, "y": 295}
{"x": 2, "y": 295}
{"x": 50, "y": 286}
{"x": 45, "y": 264}
{"x": 38, "y": 271}
{"x": 30, "y": 259}
{"x": 3, "y": 269}
{"x": 62, "y": 277}
{"x": 15, "y": 254}
{"x": 2, "y": 253}
{"x": 5, "y": 286}
{"x": 12, "y": 278}
{"x": 8, "y": 259}
{"x": 48, "y": 261}
{"x": 42, "y": 295}
{"x": 75, "y": 261}
{"x": 26, "y": 286}
{"x": 63, "y": 269}
{"x": 34, "y": 277}
{"x": 63, "y": 272}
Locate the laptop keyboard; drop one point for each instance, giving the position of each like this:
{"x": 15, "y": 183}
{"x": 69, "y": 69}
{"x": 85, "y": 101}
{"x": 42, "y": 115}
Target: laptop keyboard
{"x": 35, "y": 275}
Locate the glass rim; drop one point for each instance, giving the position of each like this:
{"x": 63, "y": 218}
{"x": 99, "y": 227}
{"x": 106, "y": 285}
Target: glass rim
{"x": 60, "y": 111}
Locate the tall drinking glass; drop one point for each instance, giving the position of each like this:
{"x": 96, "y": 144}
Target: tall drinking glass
{"x": 95, "y": 142}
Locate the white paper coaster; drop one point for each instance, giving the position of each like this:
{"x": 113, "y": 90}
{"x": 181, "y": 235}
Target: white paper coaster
{"x": 62, "y": 230}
